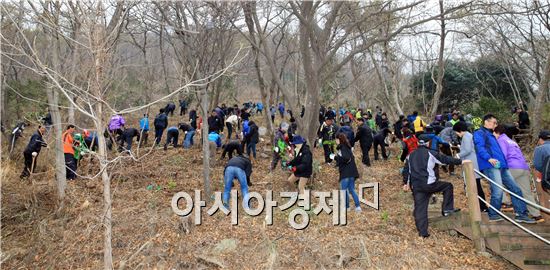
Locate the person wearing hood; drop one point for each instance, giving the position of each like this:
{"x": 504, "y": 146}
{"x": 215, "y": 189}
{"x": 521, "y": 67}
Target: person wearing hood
{"x": 302, "y": 164}
{"x": 420, "y": 175}
{"x": 347, "y": 168}
{"x": 32, "y": 150}
{"x": 280, "y": 143}
{"x": 380, "y": 140}
{"x": 492, "y": 163}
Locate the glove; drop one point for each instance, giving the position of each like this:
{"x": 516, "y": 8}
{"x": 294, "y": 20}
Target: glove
{"x": 283, "y": 163}
{"x": 276, "y": 149}
{"x": 320, "y": 141}
{"x": 34, "y": 154}
{"x": 331, "y": 156}
{"x": 293, "y": 169}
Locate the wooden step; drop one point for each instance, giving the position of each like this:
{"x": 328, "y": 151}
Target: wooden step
{"x": 529, "y": 259}
{"x": 511, "y": 242}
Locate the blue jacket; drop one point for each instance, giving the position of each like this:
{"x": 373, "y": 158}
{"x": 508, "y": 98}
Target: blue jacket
{"x": 487, "y": 147}
{"x": 349, "y": 134}
{"x": 259, "y": 106}
{"x": 541, "y": 152}
{"x": 436, "y": 140}
{"x": 215, "y": 137}
{"x": 144, "y": 123}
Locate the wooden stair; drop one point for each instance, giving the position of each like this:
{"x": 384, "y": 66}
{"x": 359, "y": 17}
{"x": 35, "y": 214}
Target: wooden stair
{"x": 503, "y": 238}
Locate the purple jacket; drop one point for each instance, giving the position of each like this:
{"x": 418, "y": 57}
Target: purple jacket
{"x": 116, "y": 122}
{"x": 512, "y": 153}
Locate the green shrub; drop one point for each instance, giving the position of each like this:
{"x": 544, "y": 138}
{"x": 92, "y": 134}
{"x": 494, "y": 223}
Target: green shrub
{"x": 487, "y": 105}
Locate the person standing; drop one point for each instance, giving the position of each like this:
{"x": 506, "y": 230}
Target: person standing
{"x": 523, "y": 118}
{"x": 160, "y": 123}
{"x": 214, "y": 122}
{"x": 327, "y": 137}
{"x": 144, "y": 129}
{"x": 193, "y": 118}
{"x": 68, "y": 151}
{"x": 32, "y": 150}
{"x": 419, "y": 174}
{"x": 282, "y": 110}
{"x": 492, "y": 163}
{"x": 364, "y": 137}
{"x": 279, "y": 146}
{"x": 348, "y": 170}
{"x": 302, "y": 164}
{"x": 183, "y": 107}
{"x": 518, "y": 167}
{"x": 252, "y": 138}
{"x": 541, "y": 162}
{"x": 380, "y": 140}
{"x": 468, "y": 152}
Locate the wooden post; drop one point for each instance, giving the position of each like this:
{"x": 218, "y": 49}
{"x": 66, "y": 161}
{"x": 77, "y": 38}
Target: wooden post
{"x": 473, "y": 206}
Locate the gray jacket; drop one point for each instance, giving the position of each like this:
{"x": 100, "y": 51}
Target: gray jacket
{"x": 468, "y": 151}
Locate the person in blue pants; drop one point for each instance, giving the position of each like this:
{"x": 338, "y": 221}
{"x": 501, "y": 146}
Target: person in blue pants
{"x": 347, "y": 168}
{"x": 492, "y": 163}
{"x": 240, "y": 168}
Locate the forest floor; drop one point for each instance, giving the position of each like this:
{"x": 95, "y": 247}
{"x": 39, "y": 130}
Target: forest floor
{"x": 148, "y": 235}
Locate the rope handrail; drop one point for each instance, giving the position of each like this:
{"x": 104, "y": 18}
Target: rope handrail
{"x": 512, "y": 193}
{"x": 515, "y": 223}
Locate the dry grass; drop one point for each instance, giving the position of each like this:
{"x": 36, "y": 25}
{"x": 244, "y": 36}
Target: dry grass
{"x": 147, "y": 235}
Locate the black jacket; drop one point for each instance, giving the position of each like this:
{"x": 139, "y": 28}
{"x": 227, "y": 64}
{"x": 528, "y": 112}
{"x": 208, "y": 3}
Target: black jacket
{"x": 327, "y": 133}
{"x": 303, "y": 162}
{"x": 364, "y": 136}
{"x": 241, "y": 162}
{"x": 35, "y": 143}
{"x": 420, "y": 166}
{"x": 397, "y": 126}
{"x": 253, "y": 135}
{"x": 233, "y": 145}
{"x": 184, "y": 127}
{"x": 161, "y": 121}
{"x": 380, "y": 137}
{"x": 214, "y": 124}
{"x": 130, "y": 133}
{"x": 346, "y": 162}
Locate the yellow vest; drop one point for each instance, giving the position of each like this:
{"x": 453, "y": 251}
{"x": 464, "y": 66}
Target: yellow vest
{"x": 419, "y": 124}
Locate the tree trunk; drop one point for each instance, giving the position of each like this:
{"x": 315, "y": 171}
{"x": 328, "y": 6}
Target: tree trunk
{"x": 248, "y": 8}
{"x": 440, "y": 63}
{"x": 60, "y": 176}
{"x": 205, "y": 142}
{"x": 309, "y": 125}
{"x": 541, "y": 98}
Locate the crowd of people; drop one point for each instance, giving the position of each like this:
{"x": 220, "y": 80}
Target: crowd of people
{"x": 425, "y": 149}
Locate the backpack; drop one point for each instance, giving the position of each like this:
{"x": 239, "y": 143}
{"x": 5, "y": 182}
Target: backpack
{"x": 545, "y": 178}
{"x": 412, "y": 143}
